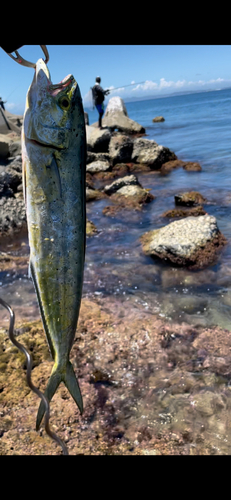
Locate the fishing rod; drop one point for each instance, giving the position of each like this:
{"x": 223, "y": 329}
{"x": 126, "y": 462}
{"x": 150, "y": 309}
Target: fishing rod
{"x": 129, "y": 85}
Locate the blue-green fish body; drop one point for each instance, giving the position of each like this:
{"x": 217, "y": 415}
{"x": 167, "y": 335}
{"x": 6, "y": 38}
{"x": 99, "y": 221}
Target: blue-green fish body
{"x": 54, "y": 165}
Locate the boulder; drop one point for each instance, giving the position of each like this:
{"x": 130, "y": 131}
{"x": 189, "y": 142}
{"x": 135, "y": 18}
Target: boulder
{"x": 9, "y": 146}
{"x": 192, "y": 242}
{"x": 120, "y": 148}
{"x": 97, "y": 139}
{"x": 5, "y": 142}
{"x": 148, "y": 152}
{"x": 11, "y": 177}
{"x": 189, "y": 199}
{"x": 116, "y": 117}
{"x": 91, "y": 156}
{"x": 128, "y": 180}
{"x": 98, "y": 166}
{"x": 158, "y": 119}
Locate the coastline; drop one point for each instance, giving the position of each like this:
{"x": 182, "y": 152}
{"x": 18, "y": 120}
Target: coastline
{"x": 151, "y": 385}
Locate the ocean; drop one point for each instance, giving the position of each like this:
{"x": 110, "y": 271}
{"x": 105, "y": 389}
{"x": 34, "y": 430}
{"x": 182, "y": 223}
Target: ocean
{"x": 197, "y": 127}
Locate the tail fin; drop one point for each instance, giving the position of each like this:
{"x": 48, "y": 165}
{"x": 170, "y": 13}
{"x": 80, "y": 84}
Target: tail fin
{"x": 70, "y": 382}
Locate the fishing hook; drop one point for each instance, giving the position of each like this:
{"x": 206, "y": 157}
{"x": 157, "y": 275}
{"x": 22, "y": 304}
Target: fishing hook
{"x": 19, "y": 59}
{"x": 28, "y": 376}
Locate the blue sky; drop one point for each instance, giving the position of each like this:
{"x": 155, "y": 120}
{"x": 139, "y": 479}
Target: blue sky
{"x": 164, "y": 68}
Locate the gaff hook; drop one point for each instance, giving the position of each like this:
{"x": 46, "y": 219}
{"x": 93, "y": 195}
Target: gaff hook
{"x": 28, "y": 377}
{"x": 19, "y": 59}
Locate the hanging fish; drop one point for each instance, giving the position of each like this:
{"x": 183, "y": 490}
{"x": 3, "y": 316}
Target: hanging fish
{"x": 54, "y": 165}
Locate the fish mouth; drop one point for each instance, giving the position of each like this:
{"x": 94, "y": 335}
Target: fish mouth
{"x": 44, "y": 145}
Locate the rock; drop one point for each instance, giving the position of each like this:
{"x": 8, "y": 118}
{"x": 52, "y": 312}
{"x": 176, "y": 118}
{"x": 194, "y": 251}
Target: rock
{"x": 185, "y": 212}
{"x": 93, "y": 194}
{"x": 97, "y": 139}
{"x": 16, "y": 163}
{"x": 98, "y": 166}
{"x": 91, "y": 156}
{"x": 86, "y": 118}
{"x": 15, "y": 148}
{"x": 189, "y": 199}
{"x": 132, "y": 196}
{"x": 171, "y": 165}
{"x": 5, "y": 190}
{"x": 11, "y": 177}
{"x": 5, "y": 142}
{"x": 158, "y": 119}
{"x": 12, "y": 215}
{"x": 149, "y": 152}
{"x": 129, "y": 180}
{"x": 9, "y": 146}
{"x": 90, "y": 228}
{"x": 116, "y": 117}
{"x": 120, "y": 148}
{"x": 192, "y": 242}
{"x": 131, "y": 190}
{"x": 191, "y": 166}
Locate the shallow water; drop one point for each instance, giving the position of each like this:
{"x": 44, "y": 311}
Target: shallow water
{"x": 197, "y": 128}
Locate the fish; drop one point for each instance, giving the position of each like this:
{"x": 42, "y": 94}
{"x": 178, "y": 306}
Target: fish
{"x": 54, "y": 174}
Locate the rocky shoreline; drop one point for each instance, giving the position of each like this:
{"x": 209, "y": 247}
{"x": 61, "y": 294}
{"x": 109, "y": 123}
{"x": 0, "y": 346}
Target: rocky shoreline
{"x": 150, "y": 386}
{"x": 116, "y": 154}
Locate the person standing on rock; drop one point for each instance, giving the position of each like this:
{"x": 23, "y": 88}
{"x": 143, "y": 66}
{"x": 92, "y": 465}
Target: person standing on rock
{"x": 98, "y": 97}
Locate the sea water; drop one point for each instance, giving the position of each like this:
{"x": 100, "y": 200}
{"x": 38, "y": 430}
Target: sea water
{"x": 197, "y": 128}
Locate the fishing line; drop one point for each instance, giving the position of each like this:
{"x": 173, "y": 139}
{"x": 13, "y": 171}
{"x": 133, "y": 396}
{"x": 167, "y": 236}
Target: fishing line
{"x": 28, "y": 377}
{"x": 129, "y": 85}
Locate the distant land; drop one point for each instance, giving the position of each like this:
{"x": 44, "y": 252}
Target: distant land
{"x": 172, "y": 94}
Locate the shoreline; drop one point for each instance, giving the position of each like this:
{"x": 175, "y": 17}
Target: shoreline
{"x": 151, "y": 385}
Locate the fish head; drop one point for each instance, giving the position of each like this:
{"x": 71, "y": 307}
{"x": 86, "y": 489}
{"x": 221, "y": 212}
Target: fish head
{"x": 52, "y": 111}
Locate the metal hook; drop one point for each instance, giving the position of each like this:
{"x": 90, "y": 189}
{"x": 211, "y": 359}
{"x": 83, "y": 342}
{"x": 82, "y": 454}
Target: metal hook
{"x": 19, "y": 59}
{"x": 29, "y": 381}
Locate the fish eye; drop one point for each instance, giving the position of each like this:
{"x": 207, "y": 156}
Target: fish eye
{"x": 64, "y": 102}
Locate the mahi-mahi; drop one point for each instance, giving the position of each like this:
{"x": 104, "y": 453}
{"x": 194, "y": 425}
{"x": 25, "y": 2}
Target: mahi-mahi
{"x": 54, "y": 166}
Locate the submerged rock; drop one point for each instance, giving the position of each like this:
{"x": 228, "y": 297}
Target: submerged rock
{"x": 93, "y": 194}
{"x": 90, "y": 228}
{"x": 116, "y": 117}
{"x": 150, "y": 153}
{"x": 171, "y": 165}
{"x": 192, "y": 242}
{"x": 185, "y": 212}
{"x": 191, "y": 166}
{"x": 189, "y": 199}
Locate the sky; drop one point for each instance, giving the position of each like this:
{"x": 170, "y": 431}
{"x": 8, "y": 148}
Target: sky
{"x": 164, "y": 69}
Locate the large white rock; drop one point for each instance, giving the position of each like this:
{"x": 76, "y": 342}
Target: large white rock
{"x": 193, "y": 240}
{"x": 116, "y": 117}
{"x": 115, "y": 105}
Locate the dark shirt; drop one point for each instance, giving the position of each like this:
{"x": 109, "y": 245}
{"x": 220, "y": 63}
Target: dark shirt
{"x": 98, "y": 94}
